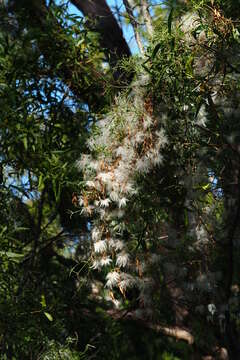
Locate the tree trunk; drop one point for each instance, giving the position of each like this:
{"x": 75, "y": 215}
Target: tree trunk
{"x": 102, "y": 20}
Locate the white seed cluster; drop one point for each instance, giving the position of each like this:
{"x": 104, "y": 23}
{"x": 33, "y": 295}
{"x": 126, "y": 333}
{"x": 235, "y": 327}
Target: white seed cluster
{"x": 127, "y": 143}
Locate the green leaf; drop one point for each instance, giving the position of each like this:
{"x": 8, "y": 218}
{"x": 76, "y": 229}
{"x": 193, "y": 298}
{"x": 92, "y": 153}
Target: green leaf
{"x": 206, "y": 187}
{"x": 43, "y": 301}
{"x": 49, "y": 316}
{"x": 11, "y": 255}
{"x": 25, "y": 143}
{"x": 20, "y": 228}
{"x": 80, "y": 42}
{"x": 236, "y": 35}
{"x": 189, "y": 66}
{"x": 4, "y": 229}
{"x": 186, "y": 222}
{"x": 155, "y": 50}
{"x": 40, "y": 182}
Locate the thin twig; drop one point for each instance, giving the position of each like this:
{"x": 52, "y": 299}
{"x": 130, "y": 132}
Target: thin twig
{"x": 146, "y": 16}
{"x": 134, "y": 24}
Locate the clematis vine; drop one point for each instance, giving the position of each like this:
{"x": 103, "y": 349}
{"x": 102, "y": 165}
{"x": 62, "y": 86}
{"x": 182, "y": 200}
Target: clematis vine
{"x": 126, "y": 144}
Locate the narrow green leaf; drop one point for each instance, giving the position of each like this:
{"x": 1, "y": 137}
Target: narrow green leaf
{"x": 40, "y": 182}
{"x": 4, "y": 229}
{"x": 189, "y": 66}
{"x": 49, "y": 316}
{"x": 186, "y": 218}
{"x": 11, "y": 255}
{"x": 205, "y": 187}
{"x": 155, "y": 50}
{"x": 43, "y": 301}
{"x": 25, "y": 143}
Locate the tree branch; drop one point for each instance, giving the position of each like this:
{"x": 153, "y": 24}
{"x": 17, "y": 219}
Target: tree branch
{"x": 172, "y": 331}
{"x": 52, "y": 43}
{"x": 134, "y": 24}
{"x": 39, "y": 224}
{"x": 103, "y": 21}
{"x": 147, "y": 17}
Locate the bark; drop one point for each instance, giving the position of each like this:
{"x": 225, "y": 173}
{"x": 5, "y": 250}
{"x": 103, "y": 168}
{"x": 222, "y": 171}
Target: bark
{"x": 147, "y": 17}
{"x": 232, "y": 208}
{"x": 102, "y": 20}
{"x": 53, "y": 46}
{"x": 134, "y": 24}
{"x": 230, "y": 182}
{"x": 172, "y": 331}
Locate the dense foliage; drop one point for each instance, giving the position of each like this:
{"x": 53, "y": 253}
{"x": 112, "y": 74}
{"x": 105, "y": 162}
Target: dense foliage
{"x": 119, "y": 182}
